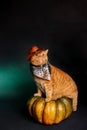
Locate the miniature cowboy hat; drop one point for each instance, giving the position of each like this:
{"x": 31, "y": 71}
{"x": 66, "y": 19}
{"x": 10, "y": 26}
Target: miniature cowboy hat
{"x": 33, "y": 50}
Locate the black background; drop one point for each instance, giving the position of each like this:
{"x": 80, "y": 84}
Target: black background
{"x": 59, "y": 26}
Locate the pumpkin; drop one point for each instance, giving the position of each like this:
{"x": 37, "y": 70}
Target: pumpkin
{"x": 52, "y": 112}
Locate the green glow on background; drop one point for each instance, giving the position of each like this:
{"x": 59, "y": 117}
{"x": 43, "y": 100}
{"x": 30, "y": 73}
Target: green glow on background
{"x": 15, "y": 81}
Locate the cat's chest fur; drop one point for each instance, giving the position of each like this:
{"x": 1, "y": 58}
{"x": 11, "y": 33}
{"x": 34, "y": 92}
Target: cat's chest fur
{"x": 42, "y": 75}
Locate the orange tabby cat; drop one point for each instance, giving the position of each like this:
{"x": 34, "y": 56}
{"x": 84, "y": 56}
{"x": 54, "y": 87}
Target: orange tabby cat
{"x": 50, "y": 80}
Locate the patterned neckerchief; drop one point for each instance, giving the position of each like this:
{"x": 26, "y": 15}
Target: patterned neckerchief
{"x": 42, "y": 71}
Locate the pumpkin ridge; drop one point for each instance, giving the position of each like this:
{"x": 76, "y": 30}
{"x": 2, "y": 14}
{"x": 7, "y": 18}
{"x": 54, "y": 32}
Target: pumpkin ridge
{"x": 60, "y": 113}
{"x": 49, "y": 113}
{"x": 38, "y": 111}
{"x": 68, "y": 107}
{"x": 31, "y": 102}
{"x": 65, "y": 107}
{"x": 34, "y": 105}
{"x": 43, "y": 112}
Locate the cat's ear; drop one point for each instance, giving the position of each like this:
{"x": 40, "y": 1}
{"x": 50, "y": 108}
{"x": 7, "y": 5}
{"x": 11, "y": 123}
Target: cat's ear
{"x": 46, "y": 51}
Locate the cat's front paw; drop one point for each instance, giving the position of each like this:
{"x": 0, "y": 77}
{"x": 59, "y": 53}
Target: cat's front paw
{"x": 47, "y": 99}
{"x": 37, "y": 94}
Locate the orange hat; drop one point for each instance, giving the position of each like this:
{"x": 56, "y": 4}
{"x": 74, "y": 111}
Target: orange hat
{"x": 33, "y": 50}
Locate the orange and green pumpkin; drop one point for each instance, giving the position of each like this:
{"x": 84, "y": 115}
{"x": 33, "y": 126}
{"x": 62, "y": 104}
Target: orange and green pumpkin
{"x": 49, "y": 113}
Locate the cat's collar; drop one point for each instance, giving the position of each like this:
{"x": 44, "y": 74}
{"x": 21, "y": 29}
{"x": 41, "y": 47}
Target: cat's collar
{"x": 42, "y": 71}
{"x": 44, "y": 65}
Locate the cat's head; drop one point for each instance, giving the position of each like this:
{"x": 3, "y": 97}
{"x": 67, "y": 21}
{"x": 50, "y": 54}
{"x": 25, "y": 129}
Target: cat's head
{"x": 37, "y": 56}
